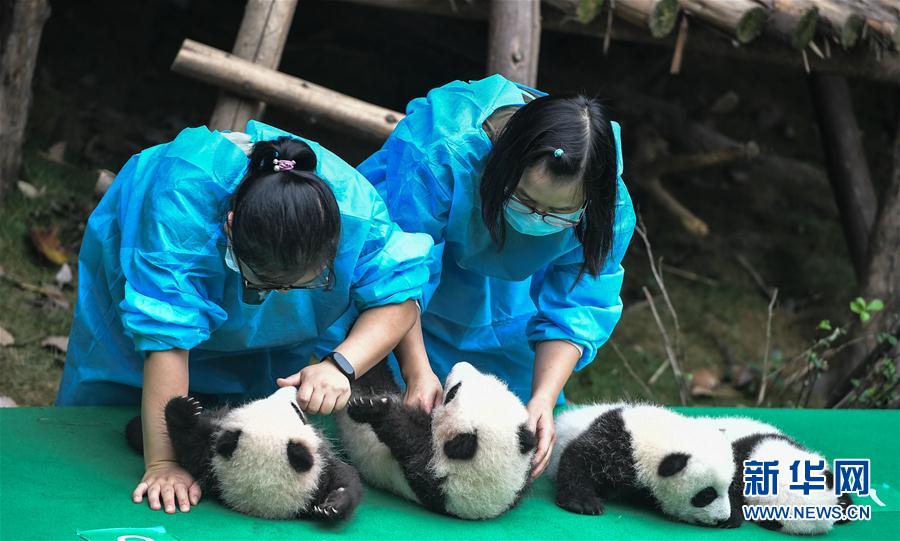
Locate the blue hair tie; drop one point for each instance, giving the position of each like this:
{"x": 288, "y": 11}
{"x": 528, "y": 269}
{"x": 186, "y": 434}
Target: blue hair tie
{"x": 558, "y": 153}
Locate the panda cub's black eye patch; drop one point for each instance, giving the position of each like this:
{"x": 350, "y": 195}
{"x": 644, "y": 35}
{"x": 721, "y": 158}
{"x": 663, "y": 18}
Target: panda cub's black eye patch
{"x": 704, "y": 497}
{"x": 227, "y": 443}
{"x": 451, "y": 394}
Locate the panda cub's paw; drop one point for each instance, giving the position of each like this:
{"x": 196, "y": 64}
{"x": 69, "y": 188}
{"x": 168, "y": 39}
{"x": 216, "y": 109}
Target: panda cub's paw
{"x": 336, "y": 506}
{"x": 585, "y": 504}
{"x": 369, "y": 408}
{"x": 183, "y": 412}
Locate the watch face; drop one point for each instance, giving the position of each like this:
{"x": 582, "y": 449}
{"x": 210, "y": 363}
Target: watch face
{"x": 343, "y": 364}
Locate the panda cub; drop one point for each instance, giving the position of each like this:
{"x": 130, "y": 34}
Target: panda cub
{"x": 471, "y": 458}
{"x": 642, "y": 453}
{"x": 755, "y": 440}
{"x": 262, "y": 459}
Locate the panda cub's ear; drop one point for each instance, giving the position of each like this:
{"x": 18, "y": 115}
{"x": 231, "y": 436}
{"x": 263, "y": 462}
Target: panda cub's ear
{"x": 672, "y": 464}
{"x": 227, "y": 442}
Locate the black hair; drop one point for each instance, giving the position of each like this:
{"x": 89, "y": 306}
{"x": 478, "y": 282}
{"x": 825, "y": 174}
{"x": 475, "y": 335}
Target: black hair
{"x": 580, "y": 127}
{"x": 286, "y": 223}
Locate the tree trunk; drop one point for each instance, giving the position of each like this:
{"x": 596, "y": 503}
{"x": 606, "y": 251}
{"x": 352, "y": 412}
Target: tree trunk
{"x": 514, "y": 38}
{"x": 744, "y": 19}
{"x": 848, "y": 169}
{"x": 253, "y": 81}
{"x": 21, "y": 24}
{"x": 881, "y": 281}
{"x": 260, "y": 40}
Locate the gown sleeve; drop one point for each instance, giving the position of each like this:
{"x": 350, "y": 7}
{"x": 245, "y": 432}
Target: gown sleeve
{"x": 587, "y": 313}
{"x": 173, "y": 271}
{"x": 393, "y": 265}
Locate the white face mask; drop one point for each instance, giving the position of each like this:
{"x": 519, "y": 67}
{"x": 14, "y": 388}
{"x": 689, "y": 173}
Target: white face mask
{"x": 533, "y": 224}
{"x": 230, "y": 261}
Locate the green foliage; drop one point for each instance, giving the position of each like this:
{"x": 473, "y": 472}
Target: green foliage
{"x": 864, "y": 309}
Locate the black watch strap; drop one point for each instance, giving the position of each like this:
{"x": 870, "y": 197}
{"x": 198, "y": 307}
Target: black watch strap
{"x": 342, "y": 363}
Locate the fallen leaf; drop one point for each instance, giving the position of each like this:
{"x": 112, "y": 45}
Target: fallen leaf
{"x": 105, "y": 178}
{"x": 47, "y": 243}
{"x": 704, "y": 382}
{"x": 6, "y": 338}
{"x": 7, "y": 402}
{"x": 59, "y": 343}
{"x": 57, "y": 152}
{"x": 29, "y": 191}
{"x": 64, "y": 276}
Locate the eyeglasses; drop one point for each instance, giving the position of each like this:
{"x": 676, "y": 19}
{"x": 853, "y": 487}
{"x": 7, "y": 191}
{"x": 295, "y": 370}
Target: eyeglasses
{"x": 570, "y": 219}
{"x": 324, "y": 280}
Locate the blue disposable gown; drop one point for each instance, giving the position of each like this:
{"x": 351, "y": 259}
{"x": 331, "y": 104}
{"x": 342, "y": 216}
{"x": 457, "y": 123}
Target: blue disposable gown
{"x": 152, "y": 275}
{"x": 490, "y": 307}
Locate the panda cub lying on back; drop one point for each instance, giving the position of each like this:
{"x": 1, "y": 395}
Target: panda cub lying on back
{"x": 758, "y": 441}
{"x": 471, "y": 458}
{"x": 262, "y": 459}
{"x": 642, "y": 453}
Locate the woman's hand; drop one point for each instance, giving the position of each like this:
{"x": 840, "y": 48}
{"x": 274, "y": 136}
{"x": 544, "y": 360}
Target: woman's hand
{"x": 323, "y": 388}
{"x": 423, "y": 390}
{"x": 170, "y": 481}
{"x": 540, "y": 420}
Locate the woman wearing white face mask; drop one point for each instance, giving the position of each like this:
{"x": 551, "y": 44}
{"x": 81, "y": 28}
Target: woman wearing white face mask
{"x": 523, "y": 196}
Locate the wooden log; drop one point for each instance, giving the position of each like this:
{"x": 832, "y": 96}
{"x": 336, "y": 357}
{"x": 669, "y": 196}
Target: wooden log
{"x": 848, "y": 170}
{"x": 21, "y": 24}
{"x": 843, "y": 23}
{"x": 659, "y": 16}
{"x": 744, "y": 19}
{"x": 514, "y": 38}
{"x": 251, "y": 80}
{"x": 583, "y": 11}
{"x": 858, "y": 63}
{"x": 792, "y": 20}
{"x": 261, "y": 38}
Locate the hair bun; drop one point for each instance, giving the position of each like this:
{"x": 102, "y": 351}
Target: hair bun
{"x": 265, "y": 153}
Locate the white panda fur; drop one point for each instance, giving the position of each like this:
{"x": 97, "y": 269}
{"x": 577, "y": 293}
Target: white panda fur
{"x": 471, "y": 458}
{"x": 648, "y": 453}
{"x": 755, "y": 440}
{"x": 262, "y": 458}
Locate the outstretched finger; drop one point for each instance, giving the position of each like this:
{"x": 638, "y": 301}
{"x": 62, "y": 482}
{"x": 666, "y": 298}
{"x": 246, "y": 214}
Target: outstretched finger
{"x": 195, "y": 493}
{"x": 290, "y": 381}
{"x": 181, "y": 495}
{"x": 138, "y": 495}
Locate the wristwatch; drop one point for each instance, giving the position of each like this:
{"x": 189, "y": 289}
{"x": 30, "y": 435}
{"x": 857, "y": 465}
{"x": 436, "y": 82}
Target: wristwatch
{"x": 342, "y": 363}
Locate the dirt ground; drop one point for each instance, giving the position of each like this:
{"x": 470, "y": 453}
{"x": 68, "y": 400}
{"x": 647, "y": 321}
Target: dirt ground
{"x": 103, "y": 86}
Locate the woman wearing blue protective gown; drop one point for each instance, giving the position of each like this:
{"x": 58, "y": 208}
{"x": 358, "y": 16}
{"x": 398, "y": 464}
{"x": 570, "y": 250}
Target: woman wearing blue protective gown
{"x": 212, "y": 266}
{"x": 530, "y": 219}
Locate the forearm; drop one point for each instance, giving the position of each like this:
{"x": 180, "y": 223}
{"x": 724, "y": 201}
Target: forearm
{"x": 554, "y": 362}
{"x": 376, "y": 332}
{"x": 165, "y": 376}
{"x": 410, "y": 352}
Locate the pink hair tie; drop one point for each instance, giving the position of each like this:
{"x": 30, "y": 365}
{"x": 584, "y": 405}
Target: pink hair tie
{"x": 284, "y": 165}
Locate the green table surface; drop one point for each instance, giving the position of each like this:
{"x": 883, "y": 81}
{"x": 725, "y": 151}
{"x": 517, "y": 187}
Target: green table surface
{"x": 68, "y": 469}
